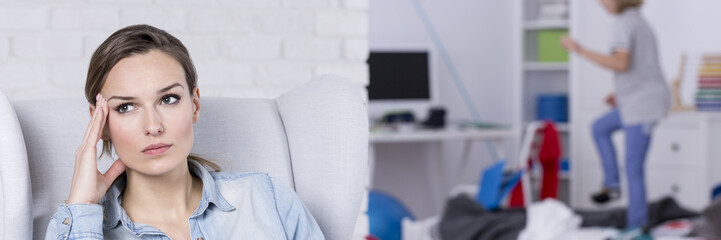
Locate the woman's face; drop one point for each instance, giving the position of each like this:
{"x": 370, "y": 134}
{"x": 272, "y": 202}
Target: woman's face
{"x": 150, "y": 107}
{"x": 610, "y": 6}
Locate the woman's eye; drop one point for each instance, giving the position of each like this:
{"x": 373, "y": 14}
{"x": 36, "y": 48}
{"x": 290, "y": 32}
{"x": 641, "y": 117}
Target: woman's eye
{"x": 124, "y": 108}
{"x": 170, "y": 99}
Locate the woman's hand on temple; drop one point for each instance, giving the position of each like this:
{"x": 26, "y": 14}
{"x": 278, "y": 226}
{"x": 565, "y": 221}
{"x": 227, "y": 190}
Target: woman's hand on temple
{"x": 89, "y": 185}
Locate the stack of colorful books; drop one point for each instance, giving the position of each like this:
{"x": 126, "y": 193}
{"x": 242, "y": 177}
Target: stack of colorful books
{"x": 708, "y": 97}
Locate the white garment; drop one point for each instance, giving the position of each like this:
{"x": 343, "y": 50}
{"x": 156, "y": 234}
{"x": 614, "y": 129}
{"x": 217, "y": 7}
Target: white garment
{"x": 549, "y": 220}
{"x": 422, "y": 229}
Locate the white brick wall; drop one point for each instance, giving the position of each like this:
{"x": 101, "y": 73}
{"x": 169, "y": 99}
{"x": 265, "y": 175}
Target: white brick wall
{"x": 43, "y": 46}
{"x": 356, "y": 49}
{"x": 4, "y": 48}
{"x": 24, "y": 75}
{"x": 356, "y": 4}
{"x": 24, "y": 17}
{"x": 342, "y": 23}
{"x": 311, "y": 48}
{"x": 350, "y": 69}
{"x": 76, "y": 17}
{"x": 241, "y": 48}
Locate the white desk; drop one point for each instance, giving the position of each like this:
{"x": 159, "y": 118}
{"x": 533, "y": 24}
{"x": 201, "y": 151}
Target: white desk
{"x": 467, "y": 135}
{"x": 446, "y": 134}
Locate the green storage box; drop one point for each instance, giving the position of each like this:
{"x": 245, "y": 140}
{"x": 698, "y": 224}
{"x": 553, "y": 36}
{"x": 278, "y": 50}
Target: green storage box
{"x": 549, "y": 46}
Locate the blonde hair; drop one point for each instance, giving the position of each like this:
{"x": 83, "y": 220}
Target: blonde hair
{"x": 622, "y": 5}
{"x": 129, "y": 41}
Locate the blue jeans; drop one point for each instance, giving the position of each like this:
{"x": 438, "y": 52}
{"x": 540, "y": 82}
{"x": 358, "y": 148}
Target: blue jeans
{"x": 638, "y": 139}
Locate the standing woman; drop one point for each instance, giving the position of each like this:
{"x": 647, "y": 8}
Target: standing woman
{"x": 640, "y": 99}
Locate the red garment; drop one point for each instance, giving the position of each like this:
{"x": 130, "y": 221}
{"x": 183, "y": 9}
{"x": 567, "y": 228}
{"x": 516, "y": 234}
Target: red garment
{"x": 517, "y": 196}
{"x": 549, "y": 156}
{"x": 371, "y": 237}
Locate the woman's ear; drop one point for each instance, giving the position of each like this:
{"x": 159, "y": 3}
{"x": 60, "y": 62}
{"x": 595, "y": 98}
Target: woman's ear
{"x": 196, "y": 104}
{"x": 106, "y": 132}
{"x": 91, "y": 108}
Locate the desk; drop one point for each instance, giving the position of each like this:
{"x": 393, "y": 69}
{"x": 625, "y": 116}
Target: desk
{"x": 453, "y": 133}
{"x": 445, "y": 134}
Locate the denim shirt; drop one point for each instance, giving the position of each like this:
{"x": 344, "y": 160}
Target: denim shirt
{"x": 232, "y": 206}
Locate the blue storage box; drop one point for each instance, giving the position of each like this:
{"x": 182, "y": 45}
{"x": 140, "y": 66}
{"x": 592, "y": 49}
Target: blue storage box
{"x": 552, "y": 107}
{"x": 565, "y": 165}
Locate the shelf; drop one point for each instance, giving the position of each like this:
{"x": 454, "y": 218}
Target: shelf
{"x": 545, "y": 66}
{"x": 545, "y": 24}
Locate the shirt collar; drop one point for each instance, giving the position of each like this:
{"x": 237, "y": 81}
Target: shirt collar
{"x": 113, "y": 213}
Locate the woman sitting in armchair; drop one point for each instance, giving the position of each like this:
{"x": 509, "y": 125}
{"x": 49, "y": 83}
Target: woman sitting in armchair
{"x": 144, "y": 99}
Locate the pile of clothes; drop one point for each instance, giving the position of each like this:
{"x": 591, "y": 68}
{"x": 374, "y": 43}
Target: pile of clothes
{"x": 464, "y": 218}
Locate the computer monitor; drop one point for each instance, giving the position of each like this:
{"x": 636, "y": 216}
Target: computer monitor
{"x": 401, "y": 79}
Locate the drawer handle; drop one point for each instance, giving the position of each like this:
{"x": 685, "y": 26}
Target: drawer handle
{"x": 675, "y": 147}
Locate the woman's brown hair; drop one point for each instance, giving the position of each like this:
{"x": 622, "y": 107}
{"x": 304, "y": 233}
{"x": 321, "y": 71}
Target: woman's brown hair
{"x": 129, "y": 41}
{"x": 622, "y": 5}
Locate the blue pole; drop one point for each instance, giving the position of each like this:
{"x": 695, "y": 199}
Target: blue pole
{"x": 452, "y": 70}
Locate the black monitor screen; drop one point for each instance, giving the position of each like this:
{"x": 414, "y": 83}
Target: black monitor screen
{"x": 398, "y": 75}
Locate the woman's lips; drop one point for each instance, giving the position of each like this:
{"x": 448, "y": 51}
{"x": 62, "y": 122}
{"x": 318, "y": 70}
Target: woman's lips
{"x": 157, "y": 151}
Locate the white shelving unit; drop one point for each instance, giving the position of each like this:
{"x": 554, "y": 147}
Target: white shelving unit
{"x": 534, "y": 77}
{"x": 541, "y": 66}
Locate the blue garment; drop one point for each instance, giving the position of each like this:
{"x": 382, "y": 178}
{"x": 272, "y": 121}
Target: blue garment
{"x": 638, "y": 139}
{"x": 232, "y": 206}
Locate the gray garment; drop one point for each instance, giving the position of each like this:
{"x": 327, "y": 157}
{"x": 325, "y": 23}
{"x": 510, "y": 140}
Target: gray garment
{"x": 465, "y": 219}
{"x": 641, "y": 92}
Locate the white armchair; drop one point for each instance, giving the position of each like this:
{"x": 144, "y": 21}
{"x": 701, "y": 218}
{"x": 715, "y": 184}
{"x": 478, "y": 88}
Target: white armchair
{"x": 314, "y": 138}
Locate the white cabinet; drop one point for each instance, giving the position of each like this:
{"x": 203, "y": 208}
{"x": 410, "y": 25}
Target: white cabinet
{"x": 684, "y": 160}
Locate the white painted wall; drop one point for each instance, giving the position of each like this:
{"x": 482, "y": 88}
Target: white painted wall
{"x": 478, "y": 37}
{"x": 680, "y": 27}
{"x": 241, "y": 48}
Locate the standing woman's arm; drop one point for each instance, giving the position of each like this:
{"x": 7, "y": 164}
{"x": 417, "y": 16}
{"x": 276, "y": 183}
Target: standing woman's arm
{"x": 620, "y": 58}
{"x": 617, "y": 62}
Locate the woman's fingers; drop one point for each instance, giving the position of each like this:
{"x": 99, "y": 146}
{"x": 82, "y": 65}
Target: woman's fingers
{"x": 103, "y": 118}
{"x": 114, "y": 171}
{"x": 88, "y": 132}
{"x": 569, "y": 44}
{"x": 97, "y": 122}
{"x": 84, "y": 188}
{"x": 96, "y": 125}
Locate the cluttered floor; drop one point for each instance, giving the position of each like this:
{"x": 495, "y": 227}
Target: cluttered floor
{"x": 465, "y": 218}
{"x": 475, "y": 212}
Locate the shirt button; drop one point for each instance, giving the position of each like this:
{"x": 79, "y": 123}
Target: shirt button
{"x": 66, "y": 221}
{"x": 200, "y": 238}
